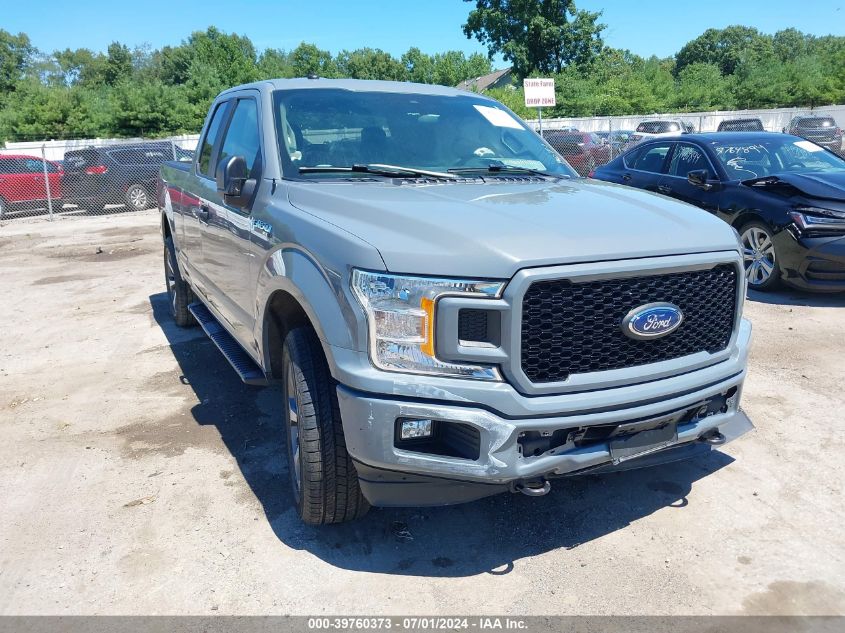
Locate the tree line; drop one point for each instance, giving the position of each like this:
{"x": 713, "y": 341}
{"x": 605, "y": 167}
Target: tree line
{"x": 143, "y": 92}
{"x": 127, "y": 92}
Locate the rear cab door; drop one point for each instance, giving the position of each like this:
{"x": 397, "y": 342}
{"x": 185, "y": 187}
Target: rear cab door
{"x": 187, "y": 201}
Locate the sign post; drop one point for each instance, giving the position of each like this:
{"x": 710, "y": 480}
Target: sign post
{"x": 539, "y": 93}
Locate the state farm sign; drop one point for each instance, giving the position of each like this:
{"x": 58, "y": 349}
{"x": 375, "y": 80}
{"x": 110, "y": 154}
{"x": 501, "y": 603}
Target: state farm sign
{"x": 539, "y": 93}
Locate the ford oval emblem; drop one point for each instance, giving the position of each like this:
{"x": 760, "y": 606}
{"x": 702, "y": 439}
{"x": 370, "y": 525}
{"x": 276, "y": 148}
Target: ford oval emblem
{"x": 652, "y": 320}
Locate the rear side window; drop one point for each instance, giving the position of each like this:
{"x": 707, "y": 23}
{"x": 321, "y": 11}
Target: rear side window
{"x": 211, "y": 137}
{"x": 651, "y": 158}
{"x": 242, "y": 135}
{"x": 141, "y": 156}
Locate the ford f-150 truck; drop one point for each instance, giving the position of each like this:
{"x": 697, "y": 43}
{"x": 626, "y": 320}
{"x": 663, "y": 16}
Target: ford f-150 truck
{"x": 451, "y": 311}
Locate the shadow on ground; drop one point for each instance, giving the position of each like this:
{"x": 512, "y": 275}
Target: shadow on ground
{"x": 486, "y": 536}
{"x": 792, "y": 297}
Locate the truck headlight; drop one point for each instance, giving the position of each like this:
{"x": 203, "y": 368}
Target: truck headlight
{"x": 401, "y": 318}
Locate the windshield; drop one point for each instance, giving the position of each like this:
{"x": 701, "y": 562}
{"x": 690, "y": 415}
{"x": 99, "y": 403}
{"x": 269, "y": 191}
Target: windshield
{"x": 771, "y": 156}
{"x": 330, "y": 127}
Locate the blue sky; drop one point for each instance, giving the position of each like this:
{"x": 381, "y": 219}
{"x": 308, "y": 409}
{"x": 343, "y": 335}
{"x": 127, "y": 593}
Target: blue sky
{"x": 646, "y": 27}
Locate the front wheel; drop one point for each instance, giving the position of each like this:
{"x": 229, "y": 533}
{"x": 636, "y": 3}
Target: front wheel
{"x": 322, "y": 475}
{"x": 762, "y": 265}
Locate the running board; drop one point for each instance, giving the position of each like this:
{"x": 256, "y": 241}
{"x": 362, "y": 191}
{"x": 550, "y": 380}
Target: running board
{"x": 241, "y": 362}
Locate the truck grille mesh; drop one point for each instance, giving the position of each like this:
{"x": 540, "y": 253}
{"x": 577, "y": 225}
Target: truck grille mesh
{"x": 572, "y": 328}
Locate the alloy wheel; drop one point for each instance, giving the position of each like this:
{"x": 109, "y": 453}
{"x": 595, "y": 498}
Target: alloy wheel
{"x": 759, "y": 255}
{"x": 295, "y": 464}
{"x": 138, "y": 198}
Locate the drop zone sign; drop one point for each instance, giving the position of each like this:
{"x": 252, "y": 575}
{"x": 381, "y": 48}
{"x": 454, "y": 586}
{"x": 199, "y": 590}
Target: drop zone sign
{"x": 539, "y": 93}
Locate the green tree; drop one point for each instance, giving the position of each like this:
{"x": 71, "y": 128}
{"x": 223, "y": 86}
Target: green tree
{"x": 543, "y": 36}
{"x": 16, "y": 53}
{"x": 307, "y": 59}
{"x": 723, "y": 47}
{"x": 274, "y": 63}
{"x": 702, "y": 87}
{"x": 369, "y": 63}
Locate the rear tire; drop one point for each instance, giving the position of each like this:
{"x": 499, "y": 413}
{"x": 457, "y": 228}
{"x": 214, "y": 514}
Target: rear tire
{"x": 179, "y": 293}
{"x": 323, "y": 477}
{"x": 138, "y": 198}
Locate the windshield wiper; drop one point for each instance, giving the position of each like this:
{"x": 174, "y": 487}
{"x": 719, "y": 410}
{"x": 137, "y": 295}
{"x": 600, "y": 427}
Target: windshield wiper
{"x": 502, "y": 168}
{"x": 379, "y": 169}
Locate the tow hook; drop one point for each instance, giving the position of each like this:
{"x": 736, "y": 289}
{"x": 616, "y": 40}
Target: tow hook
{"x": 714, "y": 438}
{"x": 532, "y": 489}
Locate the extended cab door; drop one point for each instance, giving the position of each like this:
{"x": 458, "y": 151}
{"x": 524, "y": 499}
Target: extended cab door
{"x": 188, "y": 206}
{"x": 226, "y": 246}
{"x": 685, "y": 158}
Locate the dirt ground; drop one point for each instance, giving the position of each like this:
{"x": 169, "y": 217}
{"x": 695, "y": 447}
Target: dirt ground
{"x": 139, "y": 476}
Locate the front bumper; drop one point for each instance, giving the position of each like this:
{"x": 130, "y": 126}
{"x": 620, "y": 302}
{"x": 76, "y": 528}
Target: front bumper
{"x": 812, "y": 263}
{"x": 395, "y": 476}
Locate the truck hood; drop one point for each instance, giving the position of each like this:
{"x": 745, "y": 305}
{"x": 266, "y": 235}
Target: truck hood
{"x": 491, "y": 230}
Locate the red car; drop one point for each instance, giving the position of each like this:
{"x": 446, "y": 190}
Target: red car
{"x": 22, "y": 182}
{"x": 583, "y": 150}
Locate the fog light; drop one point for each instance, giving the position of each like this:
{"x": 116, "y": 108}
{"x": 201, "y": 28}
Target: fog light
{"x": 412, "y": 429}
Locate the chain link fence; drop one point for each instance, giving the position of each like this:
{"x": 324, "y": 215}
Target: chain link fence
{"x": 589, "y": 142}
{"x": 83, "y": 178}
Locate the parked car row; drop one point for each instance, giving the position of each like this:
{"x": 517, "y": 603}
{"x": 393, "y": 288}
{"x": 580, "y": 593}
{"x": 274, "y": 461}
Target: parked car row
{"x": 89, "y": 178}
{"x": 784, "y": 194}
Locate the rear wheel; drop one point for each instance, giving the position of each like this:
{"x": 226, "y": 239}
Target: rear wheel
{"x": 179, "y": 293}
{"x": 322, "y": 475}
{"x": 138, "y": 198}
{"x": 762, "y": 266}
{"x": 4, "y": 207}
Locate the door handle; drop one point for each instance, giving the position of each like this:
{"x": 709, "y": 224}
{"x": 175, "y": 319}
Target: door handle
{"x": 203, "y": 213}
{"x": 626, "y": 177}
{"x": 664, "y": 189}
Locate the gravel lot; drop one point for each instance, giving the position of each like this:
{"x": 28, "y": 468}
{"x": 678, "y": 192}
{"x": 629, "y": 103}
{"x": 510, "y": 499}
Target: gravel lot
{"x": 139, "y": 476}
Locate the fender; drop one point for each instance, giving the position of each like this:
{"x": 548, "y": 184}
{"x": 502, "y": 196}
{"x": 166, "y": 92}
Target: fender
{"x": 320, "y": 293}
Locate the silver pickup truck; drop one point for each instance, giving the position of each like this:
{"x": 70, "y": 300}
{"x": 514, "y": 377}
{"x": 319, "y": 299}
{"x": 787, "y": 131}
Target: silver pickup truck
{"x": 451, "y": 310}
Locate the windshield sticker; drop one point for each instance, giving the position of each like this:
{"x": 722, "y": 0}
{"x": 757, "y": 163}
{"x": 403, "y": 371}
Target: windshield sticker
{"x": 497, "y": 117}
{"x": 807, "y": 145}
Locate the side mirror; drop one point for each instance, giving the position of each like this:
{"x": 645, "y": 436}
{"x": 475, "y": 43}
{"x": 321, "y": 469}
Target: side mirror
{"x": 699, "y": 178}
{"x": 232, "y": 181}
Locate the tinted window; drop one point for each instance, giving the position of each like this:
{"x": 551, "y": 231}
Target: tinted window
{"x": 242, "y": 135}
{"x": 817, "y": 122}
{"x": 7, "y": 166}
{"x": 651, "y": 158}
{"x": 658, "y": 127}
{"x": 567, "y": 144}
{"x": 33, "y": 166}
{"x": 142, "y": 155}
{"x": 687, "y": 158}
{"x": 211, "y": 137}
{"x": 80, "y": 159}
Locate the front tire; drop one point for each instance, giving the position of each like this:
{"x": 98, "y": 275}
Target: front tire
{"x": 762, "y": 264}
{"x": 323, "y": 477}
{"x": 179, "y": 293}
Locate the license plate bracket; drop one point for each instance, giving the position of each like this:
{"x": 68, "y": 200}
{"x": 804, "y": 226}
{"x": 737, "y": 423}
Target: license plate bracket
{"x": 644, "y": 442}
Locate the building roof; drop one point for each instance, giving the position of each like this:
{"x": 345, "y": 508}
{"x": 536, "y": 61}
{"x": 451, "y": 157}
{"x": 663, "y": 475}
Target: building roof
{"x": 480, "y": 84}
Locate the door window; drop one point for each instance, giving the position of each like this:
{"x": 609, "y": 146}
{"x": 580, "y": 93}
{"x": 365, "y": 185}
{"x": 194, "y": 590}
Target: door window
{"x": 211, "y": 137}
{"x": 242, "y": 136}
{"x": 651, "y": 158}
{"x": 687, "y": 158}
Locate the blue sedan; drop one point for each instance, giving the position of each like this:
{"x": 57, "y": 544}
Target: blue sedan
{"x": 785, "y": 196}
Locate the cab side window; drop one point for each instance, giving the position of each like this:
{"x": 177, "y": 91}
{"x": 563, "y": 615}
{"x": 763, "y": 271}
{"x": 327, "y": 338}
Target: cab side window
{"x": 211, "y": 138}
{"x": 242, "y": 136}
